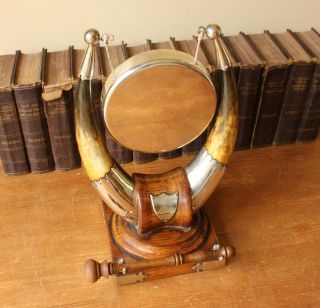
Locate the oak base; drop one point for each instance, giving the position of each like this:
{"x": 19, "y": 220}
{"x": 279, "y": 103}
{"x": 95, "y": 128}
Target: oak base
{"x": 127, "y": 248}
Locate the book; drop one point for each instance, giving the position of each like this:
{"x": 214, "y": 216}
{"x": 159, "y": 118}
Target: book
{"x": 58, "y": 106}
{"x": 189, "y": 47}
{"x": 165, "y": 45}
{"x": 140, "y": 157}
{"x": 248, "y": 84}
{"x": 299, "y": 81}
{"x": 27, "y": 87}
{"x": 273, "y": 85}
{"x": 12, "y": 149}
{"x": 118, "y": 54}
{"x": 310, "y": 121}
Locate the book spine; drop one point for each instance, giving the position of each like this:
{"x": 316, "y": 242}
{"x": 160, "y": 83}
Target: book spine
{"x": 34, "y": 127}
{"x": 310, "y": 121}
{"x": 59, "y": 113}
{"x": 248, "y": 91}
{"x": 294, "y": 101}
{"x": 273, "y": 86}
{"x": 12, "y": 150}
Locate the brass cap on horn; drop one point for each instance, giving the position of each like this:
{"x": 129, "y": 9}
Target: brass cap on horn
{"x": 213, "y": 30}
{"x": 92, "y": 37}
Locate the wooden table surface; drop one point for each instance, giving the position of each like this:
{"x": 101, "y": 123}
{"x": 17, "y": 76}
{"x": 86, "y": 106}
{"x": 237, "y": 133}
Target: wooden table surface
{"x": 267, "y": 206}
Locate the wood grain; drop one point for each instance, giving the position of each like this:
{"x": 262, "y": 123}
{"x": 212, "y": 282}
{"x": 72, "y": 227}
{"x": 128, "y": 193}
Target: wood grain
{"x": 267, "y": 206}
{"x": 174, "y": 181}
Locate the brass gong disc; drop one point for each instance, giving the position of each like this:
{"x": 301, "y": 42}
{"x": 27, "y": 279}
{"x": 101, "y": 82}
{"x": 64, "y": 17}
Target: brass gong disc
{"x": 163, "y": 102}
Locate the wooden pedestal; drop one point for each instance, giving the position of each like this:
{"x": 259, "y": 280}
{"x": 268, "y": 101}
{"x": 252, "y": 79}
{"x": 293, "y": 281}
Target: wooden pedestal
{"x": 162, "y": 253}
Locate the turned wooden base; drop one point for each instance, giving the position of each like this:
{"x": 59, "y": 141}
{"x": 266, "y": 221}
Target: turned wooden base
{"x": 159, "y": 254}
{"x": 159, "y": 243}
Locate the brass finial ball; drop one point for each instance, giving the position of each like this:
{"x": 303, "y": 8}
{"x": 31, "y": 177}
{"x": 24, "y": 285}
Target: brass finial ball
{"x": 92, "y": 37}
{"x": 212, "y": 31}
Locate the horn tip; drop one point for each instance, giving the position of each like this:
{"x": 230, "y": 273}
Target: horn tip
{"x": 213, "y": 31}
{"x": 92, "y": 36}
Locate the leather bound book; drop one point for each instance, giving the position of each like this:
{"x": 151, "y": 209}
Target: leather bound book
{"x": 140, "y": 157}
{"x": 58, "y": 106}
{"x": 177, "y": 152}
{"x": 209, "y": 49}
{"x": 118, "y": 54}
{"x": 273, "y": 85}
{"x": 189, "y": 47}
{"x": 310, "y": 122}
{"x": 248, "y": 83}
{"x": 12, "y": 150}
{"x": 297, "y": 90}
{"x": 27, "y": 86}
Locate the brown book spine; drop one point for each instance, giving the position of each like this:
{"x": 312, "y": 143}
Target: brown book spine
{"x": 34, "y": 124}
{"x": 310, "y": 121}
{"x": 293, "y": 103}
{"x": 59, "y": 113}
{"x": 248, "y": 91}
{"x": 271, "y": 96}
{"x": 12, "y": 151}
{"x": 295, "y": 96}
{"x": 34, "y": 127}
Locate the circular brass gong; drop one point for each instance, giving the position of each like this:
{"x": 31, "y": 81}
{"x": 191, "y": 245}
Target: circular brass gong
{"x": 160, "y": 104}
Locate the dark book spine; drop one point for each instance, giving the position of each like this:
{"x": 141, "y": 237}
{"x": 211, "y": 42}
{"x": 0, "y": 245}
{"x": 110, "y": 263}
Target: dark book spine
{"x": 34, "y": 128}
{"x": 59, "y": 113}
{"x": 294, "y": 101}
{"x": 310, "y": 121}
{"x": 272, "y": 90}
{"x": 248, "y": 91}
{"x": 12, "y": 151}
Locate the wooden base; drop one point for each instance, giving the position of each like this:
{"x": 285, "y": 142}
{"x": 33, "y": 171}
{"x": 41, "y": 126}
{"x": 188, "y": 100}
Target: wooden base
{"x": 163, "y": 253}
{"x": 159, "y": 243}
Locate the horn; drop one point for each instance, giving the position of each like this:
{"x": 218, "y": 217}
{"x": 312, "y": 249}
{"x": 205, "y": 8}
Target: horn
{"x": 113, "y": 184}
{"x": 206, "y": 170}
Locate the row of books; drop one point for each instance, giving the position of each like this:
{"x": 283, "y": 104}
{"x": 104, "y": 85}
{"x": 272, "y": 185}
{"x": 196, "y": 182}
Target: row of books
{"x": 278, "y": 78}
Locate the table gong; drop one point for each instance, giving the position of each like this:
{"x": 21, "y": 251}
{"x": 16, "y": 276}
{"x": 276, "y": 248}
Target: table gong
{"x": 158, "y": 101}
